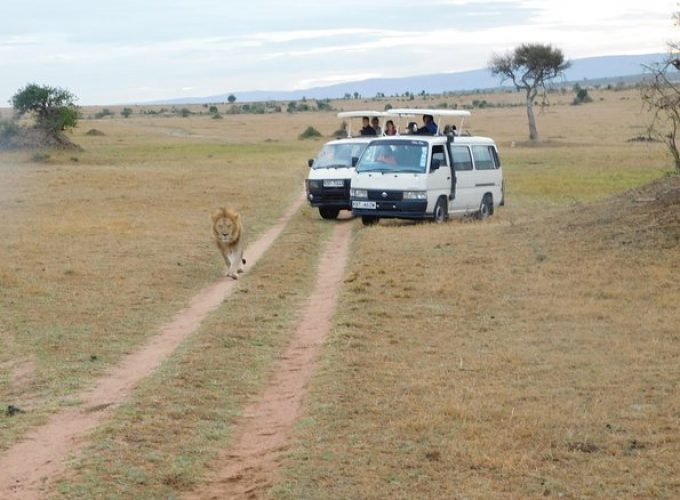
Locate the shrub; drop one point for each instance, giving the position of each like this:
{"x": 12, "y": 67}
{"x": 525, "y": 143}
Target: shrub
{"x": 8, "y": 129}
{"x": 41, "y": 157}
{"x": 309, "y": 133}
{"x": 103, "y": 113}
{"x": 582, "y": 97}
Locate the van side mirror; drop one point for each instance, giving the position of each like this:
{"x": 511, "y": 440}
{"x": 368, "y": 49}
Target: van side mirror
{"x": 355, "y": 160}
{"x": 310, "y": 162}
{"x": 436, "y": 163}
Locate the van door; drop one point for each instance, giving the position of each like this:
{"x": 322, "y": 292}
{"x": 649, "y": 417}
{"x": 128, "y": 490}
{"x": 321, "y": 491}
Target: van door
{"x": 465, "y": 181}
{"x": 439, "y": 180}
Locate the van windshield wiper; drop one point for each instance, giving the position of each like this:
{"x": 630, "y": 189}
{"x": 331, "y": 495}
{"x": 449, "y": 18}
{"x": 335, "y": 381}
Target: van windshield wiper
{"x": 381, "y": 170}
{"x": 407, "y": 171}
{"x": 335, "y": 165}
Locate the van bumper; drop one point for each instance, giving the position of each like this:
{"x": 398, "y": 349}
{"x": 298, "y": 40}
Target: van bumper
{"x": 337, "y": 197}
{"x": 395, "y": 210}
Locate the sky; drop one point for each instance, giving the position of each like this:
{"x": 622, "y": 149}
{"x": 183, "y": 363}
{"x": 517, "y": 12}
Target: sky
{"x": 135, "y": 51}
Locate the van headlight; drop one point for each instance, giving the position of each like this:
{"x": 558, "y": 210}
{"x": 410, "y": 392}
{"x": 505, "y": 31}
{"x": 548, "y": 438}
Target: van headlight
{"x": 359, "y": 194}
{"x": 415, "y": 195}
{"x": 313, "y": 184}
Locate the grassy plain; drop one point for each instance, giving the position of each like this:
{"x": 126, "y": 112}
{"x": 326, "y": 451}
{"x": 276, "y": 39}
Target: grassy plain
{"x": 531, "y": 354}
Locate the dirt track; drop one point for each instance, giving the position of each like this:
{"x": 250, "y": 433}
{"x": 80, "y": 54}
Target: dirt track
{"x": 250, "y": 466}
{"x": 27, "y": 465}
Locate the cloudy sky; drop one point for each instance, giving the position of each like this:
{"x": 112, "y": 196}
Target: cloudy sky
{"x": 128, "y": 51}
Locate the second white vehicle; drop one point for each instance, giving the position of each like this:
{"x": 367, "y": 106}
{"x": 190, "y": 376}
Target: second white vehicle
{"x": 327, "y": 185}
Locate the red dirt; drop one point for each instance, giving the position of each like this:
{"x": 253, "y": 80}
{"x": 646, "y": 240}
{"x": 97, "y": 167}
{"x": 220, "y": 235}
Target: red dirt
{"x": 249, "y": 468}
{"x": 28, "y": 465}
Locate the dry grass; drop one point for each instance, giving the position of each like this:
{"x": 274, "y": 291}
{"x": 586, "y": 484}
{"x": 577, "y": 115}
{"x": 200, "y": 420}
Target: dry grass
{"x": 531, "y": 354}
{"x": 516, "y": 361}
{"x": 162, "y": 440}
{"x": 98, "y": 253}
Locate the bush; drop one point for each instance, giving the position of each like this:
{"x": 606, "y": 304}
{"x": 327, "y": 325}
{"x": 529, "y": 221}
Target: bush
{"x": 103, "y": 113}
{"x": 41, "y": 157}
{"x": 309, "y": 133}
{"x": 582, "y": 97}
{"x": 8, "y": 129}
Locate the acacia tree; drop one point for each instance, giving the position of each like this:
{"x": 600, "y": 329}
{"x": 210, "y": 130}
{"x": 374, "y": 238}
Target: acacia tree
{"x": 54, "y": 108}
{"x": 530, "y": 67}
{"x": 661, "y": 94}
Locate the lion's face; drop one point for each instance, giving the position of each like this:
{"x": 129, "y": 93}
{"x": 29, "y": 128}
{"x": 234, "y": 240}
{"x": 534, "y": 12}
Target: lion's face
{"x": 225, "y": 229}
{"x": 226, "y": 226}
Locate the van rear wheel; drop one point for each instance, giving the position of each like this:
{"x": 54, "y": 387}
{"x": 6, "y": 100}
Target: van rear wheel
{"x": 329, "y": 212}
{"x": 441, "y": 211}
{"x": 486, "y": 207}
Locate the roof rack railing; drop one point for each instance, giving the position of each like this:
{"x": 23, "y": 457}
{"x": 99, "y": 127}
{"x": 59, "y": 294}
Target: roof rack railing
{"x": 437, "y": 115}
{"x": 360, "y": 114}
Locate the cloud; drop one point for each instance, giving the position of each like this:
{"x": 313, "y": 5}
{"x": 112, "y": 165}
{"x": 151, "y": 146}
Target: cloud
{"x": 129, "y": 50}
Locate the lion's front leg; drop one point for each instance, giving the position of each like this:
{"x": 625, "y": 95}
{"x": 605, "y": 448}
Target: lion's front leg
{"x": 232, "y": 266}
{"x": 227, "y": 262}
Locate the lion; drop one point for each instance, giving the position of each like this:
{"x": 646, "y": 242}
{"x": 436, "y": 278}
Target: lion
{"x": 229, "y": 238}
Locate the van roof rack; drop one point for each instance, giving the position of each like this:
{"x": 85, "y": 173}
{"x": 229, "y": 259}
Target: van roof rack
{"x": 359, "y": 114}
{"x": 437, "y": 114}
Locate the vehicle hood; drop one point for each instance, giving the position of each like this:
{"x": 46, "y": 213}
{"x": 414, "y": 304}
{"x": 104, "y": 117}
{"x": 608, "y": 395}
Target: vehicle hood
{"x": 390, "y": 181}
{"x": 331, "y": 173}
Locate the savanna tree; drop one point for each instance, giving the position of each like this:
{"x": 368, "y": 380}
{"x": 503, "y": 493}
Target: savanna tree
{"x": 54, "y": 108}
{"x": 661, "y": 94}
{"x": 530, "y": 67}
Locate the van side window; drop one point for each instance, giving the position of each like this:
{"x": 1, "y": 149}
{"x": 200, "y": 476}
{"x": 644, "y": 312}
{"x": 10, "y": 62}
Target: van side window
{"x": 483, "y": 158}
{"x": 438, "y": 154}
{"x": 461, "y": 158}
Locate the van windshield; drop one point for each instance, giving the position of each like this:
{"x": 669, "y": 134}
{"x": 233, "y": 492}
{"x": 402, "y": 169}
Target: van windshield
{"x": 394, "y": 156}
{"x": 338, "y": 155}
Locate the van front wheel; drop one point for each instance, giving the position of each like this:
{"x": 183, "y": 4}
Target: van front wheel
{"x": 329, "y": 212}
{"x": 441, "y": 211}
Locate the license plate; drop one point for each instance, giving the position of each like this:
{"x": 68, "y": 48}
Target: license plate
{"x": 364, "y": 204}
{"x": 333, "y": 183}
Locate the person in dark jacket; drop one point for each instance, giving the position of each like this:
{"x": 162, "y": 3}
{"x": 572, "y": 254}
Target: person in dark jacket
{"x": 429, "y": 126}
{"x": 366, "y": 128}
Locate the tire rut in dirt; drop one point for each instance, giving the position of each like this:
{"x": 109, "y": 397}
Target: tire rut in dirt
{"x": 41, "y": 455}
{"x": 249, "y": 467}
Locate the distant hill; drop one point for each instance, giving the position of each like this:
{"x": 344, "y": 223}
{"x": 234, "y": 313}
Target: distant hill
{"x": 600, "y": 69}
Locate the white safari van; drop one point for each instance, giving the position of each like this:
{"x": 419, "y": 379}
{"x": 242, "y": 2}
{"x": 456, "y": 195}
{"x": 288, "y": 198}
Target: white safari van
{"x": 416, "y": 175}
{"x": 327, "y": 185}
